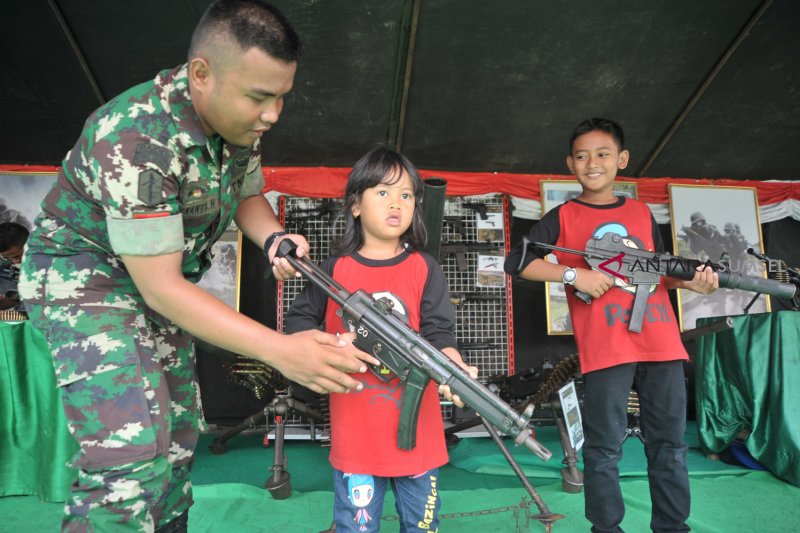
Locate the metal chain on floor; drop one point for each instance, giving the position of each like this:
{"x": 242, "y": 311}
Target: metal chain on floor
{"x": 521, "y": 509}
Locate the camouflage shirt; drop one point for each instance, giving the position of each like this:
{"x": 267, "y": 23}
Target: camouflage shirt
{"x": 143, "y": 179}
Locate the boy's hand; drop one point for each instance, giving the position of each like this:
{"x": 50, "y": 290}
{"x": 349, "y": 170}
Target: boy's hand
{"x": 705, "y": 281}
{"x": 592, "y": 282}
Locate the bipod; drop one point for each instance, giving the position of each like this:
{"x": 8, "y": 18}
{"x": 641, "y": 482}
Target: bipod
{"x": 545, "y": 517}
{"x": 283, "y": 405}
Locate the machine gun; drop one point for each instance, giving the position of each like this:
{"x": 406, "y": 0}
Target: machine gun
{"x": 412, "y": 359}
{"x": 461, "y": 298}
{"x": 611, "y": 254}
{"x": 9, "y": 277}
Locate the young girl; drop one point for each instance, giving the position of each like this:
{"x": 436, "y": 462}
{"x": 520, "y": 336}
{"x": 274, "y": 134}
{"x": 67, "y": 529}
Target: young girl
{"x": 381, "y": 253}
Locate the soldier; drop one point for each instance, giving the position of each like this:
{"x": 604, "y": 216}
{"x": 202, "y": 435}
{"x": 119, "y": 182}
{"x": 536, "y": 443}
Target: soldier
{"x": 736, "y": 245}
{"x": 154, "y": 180}
{"x": 12, "y": 243}
{"x": 704, "y": 239}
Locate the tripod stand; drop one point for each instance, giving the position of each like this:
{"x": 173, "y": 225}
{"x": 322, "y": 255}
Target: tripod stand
{"x": 283, "y": 405}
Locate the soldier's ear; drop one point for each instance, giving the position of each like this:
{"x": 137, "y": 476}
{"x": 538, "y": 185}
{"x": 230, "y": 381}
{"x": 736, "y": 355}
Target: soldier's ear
{"x": 199, "y": 72}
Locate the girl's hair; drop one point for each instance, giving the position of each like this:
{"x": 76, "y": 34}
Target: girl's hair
{"x": 370, "y": 171}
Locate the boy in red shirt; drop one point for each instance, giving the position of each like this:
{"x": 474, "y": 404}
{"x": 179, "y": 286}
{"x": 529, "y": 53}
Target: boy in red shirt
{"x": 613, "y": 359}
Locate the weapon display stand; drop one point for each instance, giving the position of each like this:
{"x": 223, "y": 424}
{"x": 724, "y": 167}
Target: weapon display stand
{"x": 283, "y": 406}
{"x": 633, "y": 429}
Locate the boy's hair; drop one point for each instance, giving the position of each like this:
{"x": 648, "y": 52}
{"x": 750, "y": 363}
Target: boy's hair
{"x": 370, "y": 171}
{"x": 12, "y": 234}
{"x": 251, "y": 23}
{"x": 599, "y": 124}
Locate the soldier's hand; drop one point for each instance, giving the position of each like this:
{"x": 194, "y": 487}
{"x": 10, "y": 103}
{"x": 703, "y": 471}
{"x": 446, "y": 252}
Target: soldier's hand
{"x": 322, "y": 362}
{"x": 592, "y": 282}
{"x": 280, "y": 266}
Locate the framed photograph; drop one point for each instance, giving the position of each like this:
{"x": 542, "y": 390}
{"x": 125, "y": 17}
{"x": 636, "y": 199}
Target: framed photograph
{"x": 554, "y": 193}
{"x": 713, "y": 224}
{"x": 21, "y": 195}
{"x": 222, "y": 279}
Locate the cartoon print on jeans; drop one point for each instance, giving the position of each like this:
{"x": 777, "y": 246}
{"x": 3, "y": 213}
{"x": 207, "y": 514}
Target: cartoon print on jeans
{"x": 360, "y": 489}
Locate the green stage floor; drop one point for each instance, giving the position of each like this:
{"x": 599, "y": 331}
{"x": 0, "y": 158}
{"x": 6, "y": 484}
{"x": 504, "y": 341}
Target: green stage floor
{"x": 229, "y": 493}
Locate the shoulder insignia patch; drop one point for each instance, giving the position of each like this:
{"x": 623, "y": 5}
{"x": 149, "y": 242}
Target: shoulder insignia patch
{"x": 150, "y": 185}
{"x": 152, "y": 153}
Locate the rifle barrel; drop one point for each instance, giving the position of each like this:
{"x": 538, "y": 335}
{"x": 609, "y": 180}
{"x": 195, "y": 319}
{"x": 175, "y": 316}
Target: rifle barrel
{"x": 681, "y": 268}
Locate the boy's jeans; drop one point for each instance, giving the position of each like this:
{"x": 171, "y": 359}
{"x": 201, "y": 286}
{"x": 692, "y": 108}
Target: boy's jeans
{"x": 662, "y": 396}
{"x": 358, "y": 501}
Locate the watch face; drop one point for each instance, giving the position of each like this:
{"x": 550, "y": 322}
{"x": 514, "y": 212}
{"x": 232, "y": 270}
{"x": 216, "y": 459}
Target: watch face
{"x": 568, "y": 276}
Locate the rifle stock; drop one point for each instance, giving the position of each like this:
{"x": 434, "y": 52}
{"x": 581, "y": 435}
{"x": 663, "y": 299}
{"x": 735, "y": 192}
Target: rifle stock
{"x": 412, "y": 359}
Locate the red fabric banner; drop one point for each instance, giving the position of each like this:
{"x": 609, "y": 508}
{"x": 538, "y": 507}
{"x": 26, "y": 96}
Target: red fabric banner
{"x": 329, "y": 182}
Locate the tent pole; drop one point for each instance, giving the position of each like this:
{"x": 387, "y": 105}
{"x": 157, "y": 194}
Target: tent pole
{"x": 65, "y": 29}
{"x": 705, "y": 85}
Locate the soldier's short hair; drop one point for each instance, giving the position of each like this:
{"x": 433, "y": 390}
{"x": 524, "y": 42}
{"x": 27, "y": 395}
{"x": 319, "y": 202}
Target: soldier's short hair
{"x": 251, "y": 23}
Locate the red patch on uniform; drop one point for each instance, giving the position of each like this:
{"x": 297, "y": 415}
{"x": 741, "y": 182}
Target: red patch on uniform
{"x": 151, "y": 215}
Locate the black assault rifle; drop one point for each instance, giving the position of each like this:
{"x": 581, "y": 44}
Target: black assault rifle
{"x": 612, "y": 255}
{"x": 381, "y": 333}
{"x": 460, "y": 249}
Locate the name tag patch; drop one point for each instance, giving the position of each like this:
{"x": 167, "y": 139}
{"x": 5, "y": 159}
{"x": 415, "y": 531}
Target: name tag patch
{"x": 197, "y": 203}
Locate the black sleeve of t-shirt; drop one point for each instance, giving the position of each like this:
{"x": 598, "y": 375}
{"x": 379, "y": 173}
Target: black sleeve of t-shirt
{"x": 437, "y": 318}
{"x": 545, "y": 231}
{"x": 307, "y": 310}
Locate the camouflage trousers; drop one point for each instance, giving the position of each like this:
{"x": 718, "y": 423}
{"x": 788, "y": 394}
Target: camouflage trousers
{"x": 128, "y": 384}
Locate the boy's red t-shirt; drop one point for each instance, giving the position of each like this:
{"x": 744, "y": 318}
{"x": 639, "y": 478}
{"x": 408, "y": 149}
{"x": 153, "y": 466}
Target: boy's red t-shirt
{"x": 601, "y": 328}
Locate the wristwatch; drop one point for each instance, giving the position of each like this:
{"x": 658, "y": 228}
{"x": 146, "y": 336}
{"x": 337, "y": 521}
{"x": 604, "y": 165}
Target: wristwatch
{"x": 270, "y": 240}
{"x": 569, "y": 276}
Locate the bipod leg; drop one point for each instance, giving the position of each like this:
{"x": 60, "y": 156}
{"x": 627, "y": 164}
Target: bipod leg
{"x": 218, "y": 446}
{"x": 279, "y": 485}
{"x": 571, "y": 477}
{"x": 545, "y": 517}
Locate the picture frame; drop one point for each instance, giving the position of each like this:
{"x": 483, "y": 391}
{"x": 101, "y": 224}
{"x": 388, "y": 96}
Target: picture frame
{"x": 555, "y": 193}
{"x": 21, "y": 195}
{"x": 707, "y": 222}
{"x": 223, "y": 277}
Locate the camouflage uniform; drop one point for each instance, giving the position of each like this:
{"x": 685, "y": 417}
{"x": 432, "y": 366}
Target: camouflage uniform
{"x": 143, "y": 179}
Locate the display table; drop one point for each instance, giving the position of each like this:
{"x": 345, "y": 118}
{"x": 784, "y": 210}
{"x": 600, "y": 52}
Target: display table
{"x": 34, "y": 441}
{"x": 748, "y": 378}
